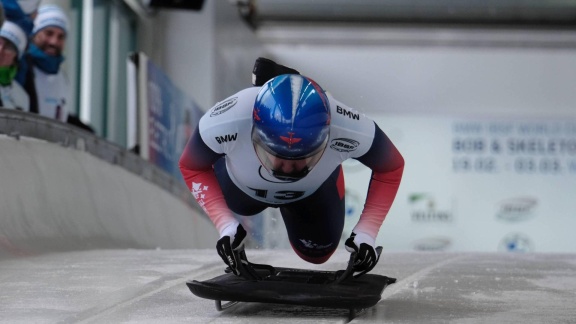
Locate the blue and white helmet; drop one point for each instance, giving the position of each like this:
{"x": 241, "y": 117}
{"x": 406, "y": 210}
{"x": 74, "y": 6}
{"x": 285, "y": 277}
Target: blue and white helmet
{"x": 291, "y": 125}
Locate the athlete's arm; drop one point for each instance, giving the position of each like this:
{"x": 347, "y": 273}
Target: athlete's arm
{"x": 387, "y": 165}
{"x": 196, "y": 167}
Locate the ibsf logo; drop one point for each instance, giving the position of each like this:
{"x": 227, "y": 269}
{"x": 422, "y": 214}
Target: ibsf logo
{"x": 223, "y": 107}
{"x": 516, "y": 242}
{"x": 424, "y": 209}
{"x": 344, "y": 144}
{"x": 516, "y": 209}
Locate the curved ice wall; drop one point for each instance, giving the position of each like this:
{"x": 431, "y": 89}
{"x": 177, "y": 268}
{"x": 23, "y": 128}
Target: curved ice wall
{"x": 64, "y": 189}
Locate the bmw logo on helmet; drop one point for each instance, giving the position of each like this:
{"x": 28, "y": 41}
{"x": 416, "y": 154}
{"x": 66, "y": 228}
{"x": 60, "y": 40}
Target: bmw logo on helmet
{"x": 291, "y": 124}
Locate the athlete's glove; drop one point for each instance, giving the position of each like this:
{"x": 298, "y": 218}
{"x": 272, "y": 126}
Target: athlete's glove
{"x": 232, "y": 240}
{"x": 266, "y": 69}
{"x": 366, "y": 255}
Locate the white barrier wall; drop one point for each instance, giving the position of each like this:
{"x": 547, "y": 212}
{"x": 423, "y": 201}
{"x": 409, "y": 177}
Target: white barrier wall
{"x": 54, "y": 198}
{"x": 478, "y": 184}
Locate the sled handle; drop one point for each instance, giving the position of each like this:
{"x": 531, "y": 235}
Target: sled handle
{"x": 349, "y": 272}
{"x": 245, "y": 268}
{"x": 248, "y": 270}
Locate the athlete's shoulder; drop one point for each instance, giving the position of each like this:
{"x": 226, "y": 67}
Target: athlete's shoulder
{"x": 229, "y": 118}
{"x": 235, "y": 105}
{"x": 348, "y": 118}
{"x": 235, "y": 108}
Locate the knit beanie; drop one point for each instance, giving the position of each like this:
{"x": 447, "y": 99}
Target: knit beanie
{"x": 50, "y": 16}
{"x": 14, "y": 34}
{"x": 28, "y": 6}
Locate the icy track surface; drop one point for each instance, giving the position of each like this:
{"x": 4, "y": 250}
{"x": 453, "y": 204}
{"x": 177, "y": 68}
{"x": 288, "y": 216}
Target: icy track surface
{"x": 148, "y": 286}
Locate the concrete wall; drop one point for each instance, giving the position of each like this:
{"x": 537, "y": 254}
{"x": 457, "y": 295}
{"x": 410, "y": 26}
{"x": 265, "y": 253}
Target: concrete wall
{"x": 428, "y": 71}
{"x": 56, "y": 198}
{"x": 208, "y": 53}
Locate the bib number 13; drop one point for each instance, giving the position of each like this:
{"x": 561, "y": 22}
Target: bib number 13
{"x": 281, "y": 195}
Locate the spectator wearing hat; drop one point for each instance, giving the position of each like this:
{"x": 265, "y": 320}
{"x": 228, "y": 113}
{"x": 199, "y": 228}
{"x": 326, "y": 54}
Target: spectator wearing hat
{"x": 47, "y": 86}
{"x": 12, "y": 45}
{"x": 21, "y": 12}
{"x": 29, "y": 7}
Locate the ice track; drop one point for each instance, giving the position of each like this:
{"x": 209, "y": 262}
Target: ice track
{"x": 148, "y": 286}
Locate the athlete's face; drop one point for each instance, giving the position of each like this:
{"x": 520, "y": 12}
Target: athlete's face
{"x": 287, "y": 169}
{"x": 50, "y": 40}
{"x": 287, "y": 166}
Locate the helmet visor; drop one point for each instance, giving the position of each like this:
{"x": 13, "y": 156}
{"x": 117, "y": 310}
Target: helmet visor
{"x": 284, "y": 168}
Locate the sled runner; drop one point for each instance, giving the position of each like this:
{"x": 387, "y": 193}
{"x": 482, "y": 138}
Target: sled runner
{"x": 267, "y": 284}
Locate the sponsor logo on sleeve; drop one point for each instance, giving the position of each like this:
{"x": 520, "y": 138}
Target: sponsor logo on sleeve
{"x": 223, "y": 107}
{"x": 348, "y": 113}
{"x": 226, "y": 138}
{"x": 344, "y": 144}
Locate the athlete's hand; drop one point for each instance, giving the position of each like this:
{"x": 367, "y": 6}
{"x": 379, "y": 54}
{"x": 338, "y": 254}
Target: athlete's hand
{"x": 366, "y": 255}
{"x": 232, "y": 239}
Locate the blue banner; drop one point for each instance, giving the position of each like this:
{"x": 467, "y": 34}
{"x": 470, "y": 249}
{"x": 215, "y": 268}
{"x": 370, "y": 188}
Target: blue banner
{"x": 172, "y": 117}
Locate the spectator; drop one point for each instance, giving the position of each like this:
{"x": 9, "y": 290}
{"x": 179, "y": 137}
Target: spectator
{"x": 21, "y": 12}
{"x": 46, "y": 84}
{"x": 13, "y": 42}
{"x": 29, "y": 7}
